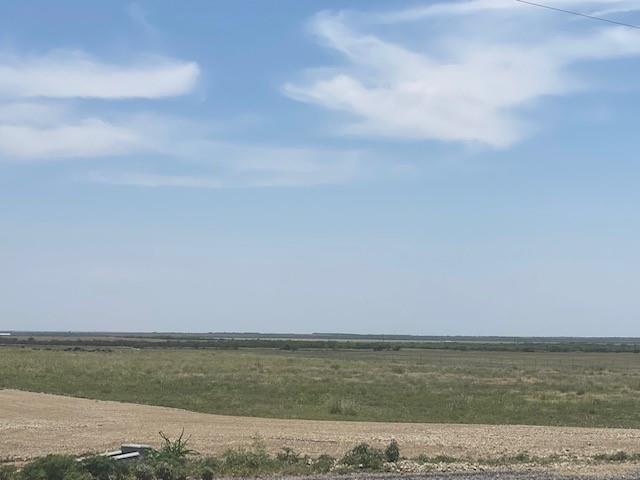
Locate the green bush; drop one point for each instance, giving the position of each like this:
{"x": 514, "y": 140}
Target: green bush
{"x": 437, "y": 459}
{"x": 247, "y": 462}
{"x": 392, "y": 452}
{"x": 77, "y": 475}
{"x": 51, "y": 467}
{"x": 619, "y": 456}
{"x": 104, "y": 468}
{"x": 173, "y": 451}
{"x": 288, "y": 456}
{"x": 364, "y": 456}
{"x": 7, "y": 472}
{"x": 143, "y": 471}
{"x": 343, "y": 406}
{"x": 207, "y": 473}
{"x": 522, "y": 457}
{"x": 324, "y": 464}
{"x": 169, "y": 471}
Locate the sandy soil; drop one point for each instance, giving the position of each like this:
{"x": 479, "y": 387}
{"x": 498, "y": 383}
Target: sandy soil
{"x": 33, "y": 424}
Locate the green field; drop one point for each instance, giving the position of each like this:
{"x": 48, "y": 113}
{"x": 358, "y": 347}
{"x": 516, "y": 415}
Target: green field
{"x": 580, "y": 389}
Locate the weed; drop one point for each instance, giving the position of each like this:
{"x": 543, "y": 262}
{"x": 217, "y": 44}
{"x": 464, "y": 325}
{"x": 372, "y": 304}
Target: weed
{"x": 437, "y": 459}
{"x": 364, "y": 456}
{"x": 207, "y": 473}
{"x": 169, "y": 471}
{"x": 51, "y": 467}
{"x": 288, "y": 456}
{"x": 77, "y": 475}
{"x": 7, "y": 472}
{"x": 241, "y": 462}
{"x": 392, "y": 452}
{"x": 324, "y": 464}
{"x": 619, "y": 456}
{"x": 143, "y": 471}
{"x": 343, "y": 406}
{"x": 103, "y": 468}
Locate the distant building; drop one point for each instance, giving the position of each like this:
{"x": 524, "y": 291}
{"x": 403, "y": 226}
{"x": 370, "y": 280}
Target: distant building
{"x": 5, "y": 334}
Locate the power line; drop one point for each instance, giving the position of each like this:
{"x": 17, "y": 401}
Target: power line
{"x": 579, "y": 14}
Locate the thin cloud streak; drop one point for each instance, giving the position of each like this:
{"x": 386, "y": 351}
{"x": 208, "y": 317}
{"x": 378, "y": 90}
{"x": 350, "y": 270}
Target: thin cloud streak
{"x": 591, "y": 7}
{"x": 89, "y": 138}
{"x": 72, "y": 74}
{"x": 44, "y": 117}
{"x": 224, "y": 165}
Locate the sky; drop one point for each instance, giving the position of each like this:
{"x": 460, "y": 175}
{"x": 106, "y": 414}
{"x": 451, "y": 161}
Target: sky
{"x": 466, "y": 167}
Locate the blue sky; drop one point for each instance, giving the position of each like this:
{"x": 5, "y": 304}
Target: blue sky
{"x": 466, "y": 167}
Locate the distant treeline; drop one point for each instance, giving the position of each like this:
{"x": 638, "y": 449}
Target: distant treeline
{"x": 332, "y": 336}
{"x": 292, "y": 345}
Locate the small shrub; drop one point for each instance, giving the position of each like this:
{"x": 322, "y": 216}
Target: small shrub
{"x": 437, "y": 459}
{"x": 620, "y": 456}
{"x": 324, "y": 464}
{"x": 212, "y": 463}
{"x": 104, "y": 468}
{"x": 207, "y": 473}
{"x": 77, "y": 475}
{"x": 392, "y": 452}
{"x": 522, "y": 457}
{"x": 288, "y": 456}
{"x": 7, "y": 472}
{"x": 51, "y": 467}
{"x": 364, "y": 456}
{"x": 169, "y": 471}
{"x": 343, "y": 406}
{"x": 173, "y": 450}
{"x": 143, "y": 471}
{"x": 247, "y": 462}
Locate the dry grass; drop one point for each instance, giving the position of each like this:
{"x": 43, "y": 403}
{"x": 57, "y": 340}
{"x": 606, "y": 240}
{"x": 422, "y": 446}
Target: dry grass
{"x": 34, "y": 424}
{"x": 574, "y": 389}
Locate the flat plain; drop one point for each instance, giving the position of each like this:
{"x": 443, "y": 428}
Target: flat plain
{"x": 33, "y": 424}
{"x": 519, "y": 388}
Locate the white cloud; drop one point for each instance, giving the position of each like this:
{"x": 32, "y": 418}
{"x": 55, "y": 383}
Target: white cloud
{"x": 592, "y": 7}
{"x": 44, "y": 116}
{"x": 462, "y": 79}
{"x": 88, "y": 138}
{"x": 31, "y": 113}
{"x": 45, "y": 131}
{"x": 224, "y": 165}
{"x": 77, "y": 75}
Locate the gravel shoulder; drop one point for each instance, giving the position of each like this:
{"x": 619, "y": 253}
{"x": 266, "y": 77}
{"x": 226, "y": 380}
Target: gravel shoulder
{"x": 34, "y": 424}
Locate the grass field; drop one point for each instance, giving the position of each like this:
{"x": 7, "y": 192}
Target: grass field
{"x": 574, "y": 389}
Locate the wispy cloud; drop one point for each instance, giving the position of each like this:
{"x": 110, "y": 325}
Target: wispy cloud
{"x": 33, "y": 132}
{"x": 46, "y": 115}
{"x": 453, "y": 8}
{"x": 224, "y": 165}
{"x": 42, "y": 103}
{"x": 465, "y": 77}
{"x": 88, "y": 138}
{"x": 74, "y": 74}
